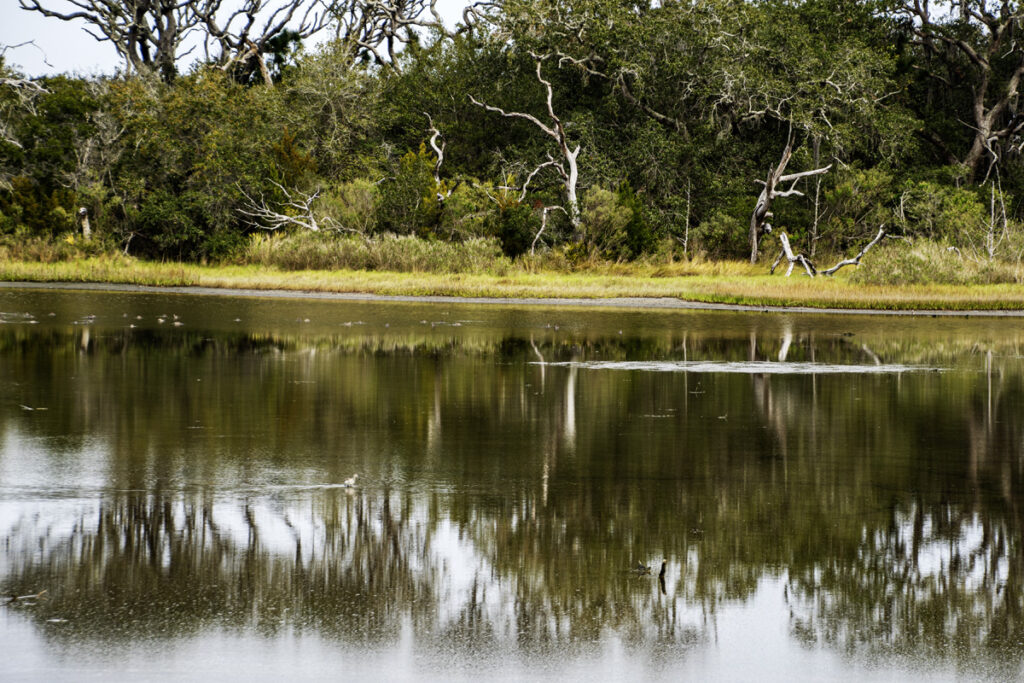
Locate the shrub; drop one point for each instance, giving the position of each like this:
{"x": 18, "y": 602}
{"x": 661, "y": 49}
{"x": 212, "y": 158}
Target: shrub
{"x": 351, "y": 205}
{"x": 722, "y": 234}
{"x": 942, "y": 212}
{"x": 465, "y": 212}
{"x": 858, "y": 203}
{"x": 514, "y": 226}
{"x": 406, "y": 202}
{"x": 640, "y": 237}
{"x": 605, "y": 223}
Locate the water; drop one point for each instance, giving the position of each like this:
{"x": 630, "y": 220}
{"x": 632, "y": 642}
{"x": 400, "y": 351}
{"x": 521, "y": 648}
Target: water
{"x": 834, "y": 497}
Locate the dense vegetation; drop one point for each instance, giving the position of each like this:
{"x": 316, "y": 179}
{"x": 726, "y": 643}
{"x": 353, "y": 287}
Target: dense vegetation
{"x": 676, "y": 111}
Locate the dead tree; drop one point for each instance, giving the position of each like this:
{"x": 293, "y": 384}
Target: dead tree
{"x": 146, "y": 33}
{"x": 855, "y": 261}
{"x": 26, "y": 93}
{"x": 296, "y": 210}
{"x": 83, "y": 221}
{"x": 246, "y": 32}
{"x": 437, "y": 143}
{"x": 762, "y": 209}
{"x": 570, "y": 175}
{"x": 378, "y": 28}
{"x": 787, "y": 253}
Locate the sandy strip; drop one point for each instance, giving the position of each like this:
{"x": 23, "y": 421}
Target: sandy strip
{"x": 658, "y": 303}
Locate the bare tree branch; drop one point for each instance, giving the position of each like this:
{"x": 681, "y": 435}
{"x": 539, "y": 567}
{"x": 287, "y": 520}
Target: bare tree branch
{"x": 556, "y": 131}
{"x": 762, "y": 208}
{"x": 298, "y": 211}
{"x": 855, "y": 261}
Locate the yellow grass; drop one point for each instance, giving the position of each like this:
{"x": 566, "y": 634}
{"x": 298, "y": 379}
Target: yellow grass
{"x": 712, "y": 282}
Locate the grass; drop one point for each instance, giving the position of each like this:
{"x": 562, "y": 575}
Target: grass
{"x": 710, "y": 282}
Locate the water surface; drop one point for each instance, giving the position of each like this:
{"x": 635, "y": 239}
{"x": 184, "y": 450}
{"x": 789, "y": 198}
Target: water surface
{"x": 834, "y": 497}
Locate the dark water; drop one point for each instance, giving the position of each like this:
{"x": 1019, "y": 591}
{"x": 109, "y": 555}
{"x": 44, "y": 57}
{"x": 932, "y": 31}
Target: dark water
{"x": 834, "y": 497}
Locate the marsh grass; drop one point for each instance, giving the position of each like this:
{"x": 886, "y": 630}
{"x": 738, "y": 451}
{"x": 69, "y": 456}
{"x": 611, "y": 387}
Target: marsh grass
{"x": 427, "y": 271}
{"x": 925, "y": 262}
{"x": 310, "y": 251}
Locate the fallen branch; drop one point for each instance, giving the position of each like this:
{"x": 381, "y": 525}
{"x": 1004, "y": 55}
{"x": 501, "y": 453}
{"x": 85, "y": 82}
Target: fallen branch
{"x": 855, "y": 261}
{"x": 787, "y": 253}
{"x": 11, "y": 599}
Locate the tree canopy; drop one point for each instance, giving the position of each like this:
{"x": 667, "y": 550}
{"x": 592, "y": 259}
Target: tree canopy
{"x": 611, "y": 127}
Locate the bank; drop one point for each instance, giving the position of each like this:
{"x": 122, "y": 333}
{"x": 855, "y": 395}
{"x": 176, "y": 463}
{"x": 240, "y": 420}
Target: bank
{"x": 717, "y": 285}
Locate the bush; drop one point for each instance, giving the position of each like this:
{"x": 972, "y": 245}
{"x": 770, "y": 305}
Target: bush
{"x": 514, "y": 226}
{"x": 406, "y": 203}
{"x": 640, "y": 237}
{"x": 605, "y": 223}
{"x": 722, "y": 234}
{"x": 351, "y": 205}
{"x": 466, "y": 211}
{"x": 858, "y": 203}
{"x": 942, "y": 212}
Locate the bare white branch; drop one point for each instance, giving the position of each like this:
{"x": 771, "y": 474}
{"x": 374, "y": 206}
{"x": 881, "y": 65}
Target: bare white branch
{"x": 855, "y": 261}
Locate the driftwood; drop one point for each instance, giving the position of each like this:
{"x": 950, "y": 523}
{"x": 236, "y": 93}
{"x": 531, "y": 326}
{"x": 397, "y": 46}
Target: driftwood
{"x": 787, "y": 253}
{"x": 855, "y": 261}
{"x": 12, "y": 598}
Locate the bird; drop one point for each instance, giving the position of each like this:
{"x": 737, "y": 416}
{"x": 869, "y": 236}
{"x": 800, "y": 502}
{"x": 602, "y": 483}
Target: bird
{"x": 641, "y": 568}
{"x": 351, "y": 481}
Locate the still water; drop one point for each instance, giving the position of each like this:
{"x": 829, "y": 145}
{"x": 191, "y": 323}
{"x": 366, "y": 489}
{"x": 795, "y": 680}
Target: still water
{"x": 833, "y": 497}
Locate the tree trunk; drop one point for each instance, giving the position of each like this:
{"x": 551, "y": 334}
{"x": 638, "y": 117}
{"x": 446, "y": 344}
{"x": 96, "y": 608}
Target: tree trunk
{"x": 83, "y": 219}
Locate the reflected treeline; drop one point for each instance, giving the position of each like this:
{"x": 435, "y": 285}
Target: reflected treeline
{"x": 353, "y": 566}
{"x": 504, "y": 500}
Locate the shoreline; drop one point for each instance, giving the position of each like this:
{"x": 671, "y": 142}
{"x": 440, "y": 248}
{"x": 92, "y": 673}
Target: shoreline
{"x": 650, "y": 303}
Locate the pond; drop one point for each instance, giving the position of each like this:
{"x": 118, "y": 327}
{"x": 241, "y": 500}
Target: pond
{"x": 831, "y": 497}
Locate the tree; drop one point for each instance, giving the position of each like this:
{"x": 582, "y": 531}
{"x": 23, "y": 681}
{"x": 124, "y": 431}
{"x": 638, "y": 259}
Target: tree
{"x": 978, "y": 42}
{"x": 146, "y": 33}
{"x": 149, "y": 34}
{"x": 556, "y": 131}
{"x": 249, "y": 33}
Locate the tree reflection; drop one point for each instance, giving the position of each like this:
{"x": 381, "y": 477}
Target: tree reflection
{"x": 507, "y": 498}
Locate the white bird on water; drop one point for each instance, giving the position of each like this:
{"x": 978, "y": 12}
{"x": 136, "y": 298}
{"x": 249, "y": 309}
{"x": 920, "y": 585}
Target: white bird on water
{"x": 351, "y": 481}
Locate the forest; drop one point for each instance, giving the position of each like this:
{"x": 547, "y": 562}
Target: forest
{"x": 337, "y": 133}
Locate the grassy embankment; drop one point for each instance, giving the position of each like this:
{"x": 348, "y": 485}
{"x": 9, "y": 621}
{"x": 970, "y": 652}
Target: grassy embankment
{"x": 717, "y": 282}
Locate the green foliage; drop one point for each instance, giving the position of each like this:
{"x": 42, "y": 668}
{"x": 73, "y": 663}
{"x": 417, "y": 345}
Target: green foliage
{"x": 406, "y": 201}
{"x": 856, "y": 205}
{"x": 640, "y": 237}
{"x": 515, "y": 226}
{"x": 351, "y": 205}
{"x": 605, "y": 222}
{"x": 693, "y": 102}
{"x": 723, "y": 233}
{"x": 466, "y": 212}
{"x": 28, "y": 208}
{"x": 941, "y": 212}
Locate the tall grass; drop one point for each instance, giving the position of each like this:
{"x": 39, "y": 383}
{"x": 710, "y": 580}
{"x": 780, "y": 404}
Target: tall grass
{"x": 926, "y": 262}
{"x": 67, "y": 247}
{"x": 408, "y": 254}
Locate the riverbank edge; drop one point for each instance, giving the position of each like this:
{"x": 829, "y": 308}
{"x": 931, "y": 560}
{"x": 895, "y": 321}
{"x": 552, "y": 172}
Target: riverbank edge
{"x": 656, "y": 303}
